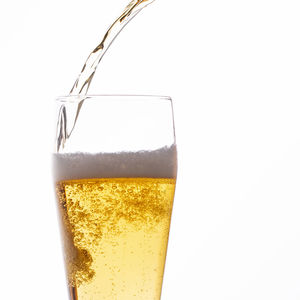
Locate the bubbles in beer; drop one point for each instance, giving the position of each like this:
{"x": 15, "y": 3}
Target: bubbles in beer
{"x": 115, "y": 221}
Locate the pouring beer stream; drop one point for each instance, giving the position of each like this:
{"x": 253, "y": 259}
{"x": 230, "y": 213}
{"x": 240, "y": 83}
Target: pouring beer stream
{"x": 115, "y": 207}
{"x": 83, "y": 81}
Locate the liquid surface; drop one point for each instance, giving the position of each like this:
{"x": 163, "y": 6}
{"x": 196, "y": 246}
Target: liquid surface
{"x": 115, "y": 234}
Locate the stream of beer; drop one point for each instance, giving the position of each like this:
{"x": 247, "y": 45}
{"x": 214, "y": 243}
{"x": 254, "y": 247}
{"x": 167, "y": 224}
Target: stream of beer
{"x": 83, "y": 81}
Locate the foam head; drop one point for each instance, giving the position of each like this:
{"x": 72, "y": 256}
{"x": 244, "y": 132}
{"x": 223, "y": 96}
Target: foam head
{"x": 161, "y": 163}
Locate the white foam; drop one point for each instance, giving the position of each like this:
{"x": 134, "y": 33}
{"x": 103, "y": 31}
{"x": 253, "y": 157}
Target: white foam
{"x": 161, "y": 163}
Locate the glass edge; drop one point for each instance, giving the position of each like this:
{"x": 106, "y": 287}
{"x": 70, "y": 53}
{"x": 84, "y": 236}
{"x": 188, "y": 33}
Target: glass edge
{"x": 76, "y": 98}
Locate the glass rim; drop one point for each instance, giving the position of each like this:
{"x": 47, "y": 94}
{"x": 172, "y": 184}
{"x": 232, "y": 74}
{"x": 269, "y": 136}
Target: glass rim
{"x": 77, "y": 98}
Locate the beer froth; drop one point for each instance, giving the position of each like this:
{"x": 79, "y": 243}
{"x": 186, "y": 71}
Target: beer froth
{"x": 161, "y": 163}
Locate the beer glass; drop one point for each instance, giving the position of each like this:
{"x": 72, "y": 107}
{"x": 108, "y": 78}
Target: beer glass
{"x": 114, "y": 168}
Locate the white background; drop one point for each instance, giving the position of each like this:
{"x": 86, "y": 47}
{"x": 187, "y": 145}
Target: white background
{"x": 233, "y": 70}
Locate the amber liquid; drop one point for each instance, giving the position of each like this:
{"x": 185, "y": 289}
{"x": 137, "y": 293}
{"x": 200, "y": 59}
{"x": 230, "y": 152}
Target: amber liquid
{"x": 87, "y": 73}
{"x": 115, "y": 234}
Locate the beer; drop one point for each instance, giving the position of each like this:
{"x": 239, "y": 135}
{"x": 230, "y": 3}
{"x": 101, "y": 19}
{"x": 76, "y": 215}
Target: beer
{"x": 87, "y": 73}
{"x": 115, "y": 235}
{"x": 115, "y": 229}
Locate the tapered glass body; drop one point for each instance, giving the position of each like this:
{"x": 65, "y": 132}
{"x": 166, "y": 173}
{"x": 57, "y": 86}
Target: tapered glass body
{"x": 114, "y": 178}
